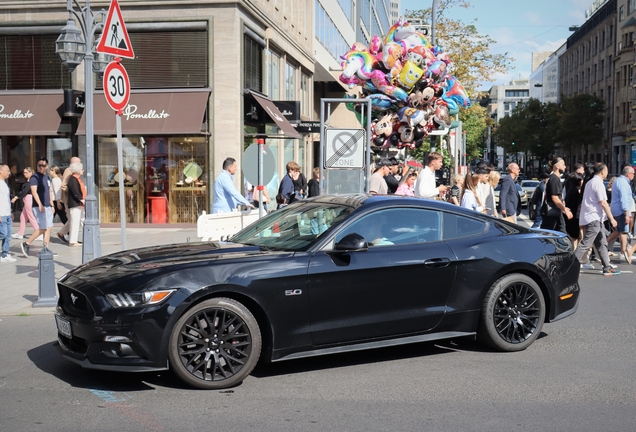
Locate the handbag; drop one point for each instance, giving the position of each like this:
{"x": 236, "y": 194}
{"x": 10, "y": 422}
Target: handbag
{"x": 553, "y": 212}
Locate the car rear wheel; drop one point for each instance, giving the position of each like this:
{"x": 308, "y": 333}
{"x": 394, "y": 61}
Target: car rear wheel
{"x": 215, "y": 345}
{"x": 513, "y": 313}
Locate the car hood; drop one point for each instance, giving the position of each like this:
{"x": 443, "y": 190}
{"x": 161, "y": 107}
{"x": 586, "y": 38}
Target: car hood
{"x": 149, "y": 262}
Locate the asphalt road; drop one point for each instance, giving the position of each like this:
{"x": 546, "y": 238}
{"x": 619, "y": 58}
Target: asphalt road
{"x": 579, "y": 376}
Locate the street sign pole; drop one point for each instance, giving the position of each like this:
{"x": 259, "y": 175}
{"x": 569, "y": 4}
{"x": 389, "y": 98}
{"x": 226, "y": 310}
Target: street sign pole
{"x": 122, "y": 180}
{"x": 261, "y": 144}
{"x": 117, "y": 93}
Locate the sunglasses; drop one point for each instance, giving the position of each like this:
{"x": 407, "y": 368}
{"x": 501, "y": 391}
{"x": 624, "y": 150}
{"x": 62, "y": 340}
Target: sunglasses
{"x": 41, "y": 165}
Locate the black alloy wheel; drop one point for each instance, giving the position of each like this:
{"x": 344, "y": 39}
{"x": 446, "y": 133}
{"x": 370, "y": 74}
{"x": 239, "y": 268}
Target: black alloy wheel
{"x": 215, "y": 345}
{"x": 513, "y": 313}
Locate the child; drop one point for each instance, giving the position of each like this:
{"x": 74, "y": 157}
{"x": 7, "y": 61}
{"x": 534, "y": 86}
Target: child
{"x": 281, "y": 201}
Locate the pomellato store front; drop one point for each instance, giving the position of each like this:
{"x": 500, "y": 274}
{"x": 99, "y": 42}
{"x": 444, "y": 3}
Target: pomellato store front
{"x": 166, "y": 157}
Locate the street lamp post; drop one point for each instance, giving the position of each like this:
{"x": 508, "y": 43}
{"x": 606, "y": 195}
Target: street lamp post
{"x": 72, "y": 46}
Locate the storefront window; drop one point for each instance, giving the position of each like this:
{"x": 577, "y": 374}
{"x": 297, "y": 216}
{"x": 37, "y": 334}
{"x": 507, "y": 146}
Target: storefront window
{"x": 59, "y": 152}
{"x": 272, "y": 186}
{"x": 109, "y": 178}
{"x": 165, "y": 179}
{"x": 188, "y": 178}
{"x": 288, "y": 150}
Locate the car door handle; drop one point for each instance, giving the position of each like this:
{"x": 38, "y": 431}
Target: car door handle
{"x": 437, "y": 262}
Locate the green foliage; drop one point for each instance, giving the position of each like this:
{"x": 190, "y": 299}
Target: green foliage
{"x": 540, "y": 128}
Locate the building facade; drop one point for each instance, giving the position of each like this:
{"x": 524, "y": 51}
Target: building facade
{"x": 195, "y": 66}
{"x": 624, "y": 136}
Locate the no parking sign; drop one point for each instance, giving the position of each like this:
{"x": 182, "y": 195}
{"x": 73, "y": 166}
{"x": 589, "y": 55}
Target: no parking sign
{"x": 344, "y": 148}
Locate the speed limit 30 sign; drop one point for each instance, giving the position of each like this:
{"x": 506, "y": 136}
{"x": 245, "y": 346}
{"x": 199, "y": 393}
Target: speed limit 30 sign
{"x": 116, "y": 86}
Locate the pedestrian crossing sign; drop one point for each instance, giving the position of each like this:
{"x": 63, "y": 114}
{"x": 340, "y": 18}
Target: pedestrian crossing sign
{"x": 115, "y": 39}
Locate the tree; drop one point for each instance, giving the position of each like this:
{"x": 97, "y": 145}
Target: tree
{"x": 475, "y": 122}
{"x": 473, "y": 63}
{"x": 580, "y": 123}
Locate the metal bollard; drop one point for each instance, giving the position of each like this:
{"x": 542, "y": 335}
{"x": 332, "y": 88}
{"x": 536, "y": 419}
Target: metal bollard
{"x": 46, "y": 279}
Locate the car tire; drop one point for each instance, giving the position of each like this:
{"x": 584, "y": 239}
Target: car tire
{"x": 215, "y": 345}
{"x": 532, "y": 214}
{"x": 513, "y": 313}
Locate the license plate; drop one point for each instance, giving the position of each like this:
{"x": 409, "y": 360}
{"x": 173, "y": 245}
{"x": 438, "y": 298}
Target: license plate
{"x": 64, "y": 327}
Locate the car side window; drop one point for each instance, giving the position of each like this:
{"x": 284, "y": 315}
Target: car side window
{"x": 399, "y": 226}
{"x": 456, "y": 226}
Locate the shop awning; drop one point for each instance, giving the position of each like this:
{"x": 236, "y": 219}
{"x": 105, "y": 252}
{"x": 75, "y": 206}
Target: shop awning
{"x": 276, "y": 116}
{"x": 30, "y": 113}
{"x": 151, "y": 113}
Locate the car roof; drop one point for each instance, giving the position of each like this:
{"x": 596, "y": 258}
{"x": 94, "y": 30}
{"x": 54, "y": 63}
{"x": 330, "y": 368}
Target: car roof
{"x": 365, "y": 201}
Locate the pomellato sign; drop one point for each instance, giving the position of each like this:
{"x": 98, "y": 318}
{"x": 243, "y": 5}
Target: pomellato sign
{"x": 17, "y": 114}
{"x": 130, "y": 112}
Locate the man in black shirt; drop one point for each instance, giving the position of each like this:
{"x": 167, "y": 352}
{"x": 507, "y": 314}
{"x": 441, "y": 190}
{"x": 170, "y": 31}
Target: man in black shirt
{"x": 554, "y": 207}
{"x": 392, "y": 182}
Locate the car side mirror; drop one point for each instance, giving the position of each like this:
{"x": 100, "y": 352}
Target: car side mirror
{"x": 351, "y": 243}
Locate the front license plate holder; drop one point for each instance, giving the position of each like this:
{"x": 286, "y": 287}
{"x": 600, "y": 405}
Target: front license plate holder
{"x": 64, "y": 327}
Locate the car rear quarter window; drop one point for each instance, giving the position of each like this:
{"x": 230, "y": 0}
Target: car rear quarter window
{"x": 456, "y": 226}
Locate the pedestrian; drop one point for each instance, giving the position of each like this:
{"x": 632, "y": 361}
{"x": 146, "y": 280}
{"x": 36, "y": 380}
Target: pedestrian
{"x": 56, "y": 183}
{"x": 489, "y": 203}
{"x": 406, "y": 188}
{"x": 470, "y": 199}
{"x": 6, "y": 218}
{"x": 76, "y": 201}
{"x": 281, "y": 201}
{"x": 482, "y": 188}
{"x": 286, "y": 187}
{"x": 538, "y": 197}
{"x": 573, "y": 198}
{"x": 456, "y": 189}
{"x": 553, "y": 208}
{"x": 43, "y": 197}
{"x": 377, "y": 183}
{"x": 509, "y": 201}
{"x": 226, "y": 197}
{"x": 426, "y": 186}
{"x": 313, "y": 186}
{"x": 256, "y": 196}
{"x": 594, "y": 209}
{"x": 62, "y": 234}
{"x": 393, "y": 178}
{"x": 300, "y": 185}
{"x": 621, "y": 207}
{"x": 26, "y": 215}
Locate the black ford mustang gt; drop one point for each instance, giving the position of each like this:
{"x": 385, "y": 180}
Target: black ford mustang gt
{"x": 317, "y": 277}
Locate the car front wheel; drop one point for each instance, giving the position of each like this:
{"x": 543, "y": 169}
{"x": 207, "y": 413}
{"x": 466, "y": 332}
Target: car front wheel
{"x": 215, "y": 345}
{"x": 513, "y": 313}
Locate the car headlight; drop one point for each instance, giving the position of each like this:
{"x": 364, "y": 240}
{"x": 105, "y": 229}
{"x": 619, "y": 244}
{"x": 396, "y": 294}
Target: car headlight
{"x": 145, "y": 298}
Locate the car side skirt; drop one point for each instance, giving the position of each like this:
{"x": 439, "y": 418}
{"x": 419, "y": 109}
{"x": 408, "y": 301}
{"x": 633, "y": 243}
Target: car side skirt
{"x": 375, "y": 344}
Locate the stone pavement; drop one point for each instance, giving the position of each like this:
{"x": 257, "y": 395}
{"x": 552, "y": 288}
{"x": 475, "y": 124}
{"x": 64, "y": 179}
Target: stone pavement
{"x": 19, "y": 280}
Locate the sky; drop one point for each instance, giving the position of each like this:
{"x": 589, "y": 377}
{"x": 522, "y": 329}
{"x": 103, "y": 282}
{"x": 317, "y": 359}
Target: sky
{"x": 518, "y": 27}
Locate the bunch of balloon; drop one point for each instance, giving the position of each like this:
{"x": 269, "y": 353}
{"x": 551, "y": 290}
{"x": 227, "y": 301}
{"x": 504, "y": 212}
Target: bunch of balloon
{"x": 408, "y": 82}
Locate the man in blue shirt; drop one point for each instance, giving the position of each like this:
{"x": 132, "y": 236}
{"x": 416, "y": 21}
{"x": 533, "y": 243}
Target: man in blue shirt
{"x": 226, "y": 197}
{"x": 621, "y": 206}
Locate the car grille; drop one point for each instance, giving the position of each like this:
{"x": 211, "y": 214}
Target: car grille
{"x": 74, "y": 303}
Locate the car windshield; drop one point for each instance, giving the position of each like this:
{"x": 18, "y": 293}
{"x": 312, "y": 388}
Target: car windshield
{"x": 295, "y": 227}
{"x": 530, "y": 183}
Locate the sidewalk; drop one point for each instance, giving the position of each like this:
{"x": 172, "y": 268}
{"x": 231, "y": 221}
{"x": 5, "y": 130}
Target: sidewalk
{"x": 19, "y": 280}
